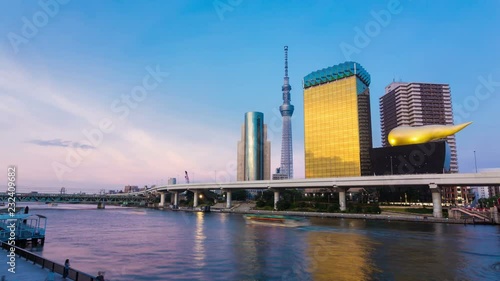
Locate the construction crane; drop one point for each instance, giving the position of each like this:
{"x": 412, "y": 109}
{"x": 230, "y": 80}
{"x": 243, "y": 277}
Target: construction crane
{"x": 186, "y": 176}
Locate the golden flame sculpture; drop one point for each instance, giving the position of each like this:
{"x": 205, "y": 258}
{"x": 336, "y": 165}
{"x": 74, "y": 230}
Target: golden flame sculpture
{"x": 405, "y": 135}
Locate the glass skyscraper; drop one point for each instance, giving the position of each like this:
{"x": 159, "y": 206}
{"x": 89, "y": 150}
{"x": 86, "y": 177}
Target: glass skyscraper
{"x": 254, "y": 151}
{"x": 337, "y": 122}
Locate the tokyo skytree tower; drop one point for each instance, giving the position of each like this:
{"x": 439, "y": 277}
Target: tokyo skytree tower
{"x": 286, "y": 110}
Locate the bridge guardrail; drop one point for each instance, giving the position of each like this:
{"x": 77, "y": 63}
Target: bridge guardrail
{"x": 483, "y": 216}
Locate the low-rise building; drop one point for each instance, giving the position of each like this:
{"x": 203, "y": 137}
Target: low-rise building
{"x": 131, "y": 188}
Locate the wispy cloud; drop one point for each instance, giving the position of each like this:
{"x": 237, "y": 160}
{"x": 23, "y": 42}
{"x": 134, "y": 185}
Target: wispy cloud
{"x": 139, "y": 150}
{"x": 60, "y": 143}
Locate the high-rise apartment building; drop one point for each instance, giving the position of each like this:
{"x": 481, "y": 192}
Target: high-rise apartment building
{"x": 417, "y": 104}
{"x": 482, "y": 192}
{"x": 254, "y": 151}
{"x": 337, "y": 122}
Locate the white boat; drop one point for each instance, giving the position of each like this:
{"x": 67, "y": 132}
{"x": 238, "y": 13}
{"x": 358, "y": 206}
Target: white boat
{"x": 276, "y": 220}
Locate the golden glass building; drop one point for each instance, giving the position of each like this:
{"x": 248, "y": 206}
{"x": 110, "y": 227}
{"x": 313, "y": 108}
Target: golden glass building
{"x": 337, "y": 122}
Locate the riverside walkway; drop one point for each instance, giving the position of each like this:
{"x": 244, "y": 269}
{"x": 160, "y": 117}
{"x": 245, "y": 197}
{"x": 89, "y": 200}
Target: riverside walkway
{"x": 24, "y": 270}
{"x": 30, "y": 266}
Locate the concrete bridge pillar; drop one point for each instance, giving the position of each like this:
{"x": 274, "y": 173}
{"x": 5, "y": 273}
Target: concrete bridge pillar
{"x": 342, "y": 202}
{"x": 162, "y": 199}
{"x": 495, "y": 215}
{"x": 195, "y": 199}
{"x": 176, "y": 199}
{"x": 436, "y": 200}
{"x": 101, "y": 205}
{"x": 276, "y": 199}
{"x": 228, "y": 199}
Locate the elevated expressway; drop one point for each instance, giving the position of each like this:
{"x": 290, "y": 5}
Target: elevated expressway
{"x": 341, "y": 185}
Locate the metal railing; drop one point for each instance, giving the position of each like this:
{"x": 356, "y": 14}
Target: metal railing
{"x": 485, "y": 216}
{"x": 73, "y": 274}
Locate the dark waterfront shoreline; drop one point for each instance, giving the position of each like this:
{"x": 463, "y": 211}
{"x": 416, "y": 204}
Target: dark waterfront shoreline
{"x": 407, "y": 218}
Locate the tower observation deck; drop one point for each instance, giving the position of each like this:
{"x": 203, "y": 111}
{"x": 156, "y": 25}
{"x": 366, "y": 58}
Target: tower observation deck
{"x": 286, "y": 110}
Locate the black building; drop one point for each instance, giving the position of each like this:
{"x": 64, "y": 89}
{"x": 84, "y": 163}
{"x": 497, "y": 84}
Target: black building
{"x": 427, "y": 158}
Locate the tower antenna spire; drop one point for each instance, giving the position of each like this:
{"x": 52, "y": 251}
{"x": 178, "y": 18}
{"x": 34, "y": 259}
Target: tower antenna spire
{"x": 286, "y": 61}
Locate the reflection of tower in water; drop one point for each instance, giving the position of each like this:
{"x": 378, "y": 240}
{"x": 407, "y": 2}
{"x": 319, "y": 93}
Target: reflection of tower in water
{"x": 340, "y": 256}
{"x": 246, "y": 253}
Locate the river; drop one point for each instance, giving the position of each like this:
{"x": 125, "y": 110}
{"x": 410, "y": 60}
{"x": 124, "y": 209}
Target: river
{"x": 144, "y": 244}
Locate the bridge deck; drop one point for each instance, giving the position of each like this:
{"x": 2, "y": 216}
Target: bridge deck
{"x": 78, "y": 198}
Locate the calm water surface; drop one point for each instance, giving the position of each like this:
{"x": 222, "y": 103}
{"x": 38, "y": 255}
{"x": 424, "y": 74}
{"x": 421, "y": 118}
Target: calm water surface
{"x": 139, "y": 244}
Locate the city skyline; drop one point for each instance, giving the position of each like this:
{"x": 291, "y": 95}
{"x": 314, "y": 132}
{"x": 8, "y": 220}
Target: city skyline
{"x": 69, "y": 83}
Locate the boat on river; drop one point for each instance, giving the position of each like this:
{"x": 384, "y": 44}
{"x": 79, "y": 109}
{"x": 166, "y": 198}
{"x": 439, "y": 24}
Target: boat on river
{"x": 276, "y": 220}
{"x": 22, "y": 228}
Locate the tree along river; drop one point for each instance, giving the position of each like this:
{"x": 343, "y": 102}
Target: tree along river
{"x": 144, "y": 244}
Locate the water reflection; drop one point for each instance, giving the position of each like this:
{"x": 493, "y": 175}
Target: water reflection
{"x": 412, "y": 253}
{"x": 270, "y": 253}
{"x": 340, "y": 256}
{"x": 199, "y": 241}
{"x": 246, "y": 247}
{"x": 223, "y": 218}
{"x": 209, "y": 246}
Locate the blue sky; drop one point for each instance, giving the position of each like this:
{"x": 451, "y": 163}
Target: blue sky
{"x": 212, "y": 61}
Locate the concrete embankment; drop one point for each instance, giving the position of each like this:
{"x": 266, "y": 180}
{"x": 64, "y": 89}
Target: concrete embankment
{"x": 387, "y": 216}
